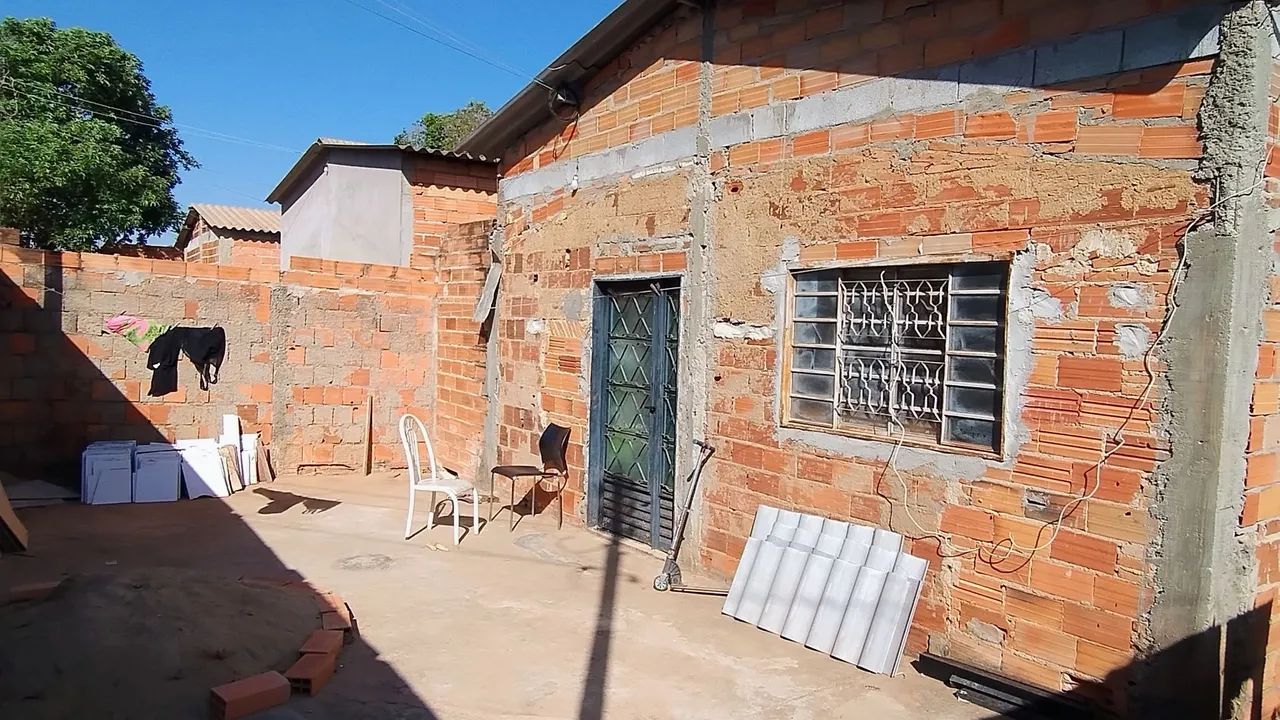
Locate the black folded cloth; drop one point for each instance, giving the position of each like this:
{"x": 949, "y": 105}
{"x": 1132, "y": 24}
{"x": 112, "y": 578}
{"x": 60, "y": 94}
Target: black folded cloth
{"x": 206, "y": 347}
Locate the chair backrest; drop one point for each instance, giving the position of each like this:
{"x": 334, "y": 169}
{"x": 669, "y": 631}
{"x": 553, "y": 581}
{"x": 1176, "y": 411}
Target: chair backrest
{"x": 552, "y": 446}
{"x": 411, "y": 432}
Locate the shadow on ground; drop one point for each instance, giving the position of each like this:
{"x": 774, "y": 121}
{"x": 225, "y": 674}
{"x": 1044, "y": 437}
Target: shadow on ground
{"x": 56, "y": 401}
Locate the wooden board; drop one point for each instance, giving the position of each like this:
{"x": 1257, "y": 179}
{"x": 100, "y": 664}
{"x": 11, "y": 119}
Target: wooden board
{"x": 231, "y": 464}
{"x": 265, "y": 473}
{"x": 13, "y": 534}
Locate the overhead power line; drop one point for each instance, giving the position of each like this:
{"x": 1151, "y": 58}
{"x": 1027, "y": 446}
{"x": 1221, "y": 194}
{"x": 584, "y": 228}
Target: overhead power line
{"x": 66, "y": 99}
{"x": 446, "y": 43}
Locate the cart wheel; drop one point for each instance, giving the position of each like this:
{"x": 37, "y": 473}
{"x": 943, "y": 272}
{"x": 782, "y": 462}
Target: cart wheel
{"x": 661, "y": 583}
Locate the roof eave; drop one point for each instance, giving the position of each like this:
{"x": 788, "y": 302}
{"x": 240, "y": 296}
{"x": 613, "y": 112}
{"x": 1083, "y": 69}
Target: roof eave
{"x": 319, "y": 148}
{"x": 601, "y": 44}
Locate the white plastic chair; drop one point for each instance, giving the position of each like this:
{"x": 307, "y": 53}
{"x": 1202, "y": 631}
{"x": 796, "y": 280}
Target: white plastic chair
{"x": 411, "y": 432}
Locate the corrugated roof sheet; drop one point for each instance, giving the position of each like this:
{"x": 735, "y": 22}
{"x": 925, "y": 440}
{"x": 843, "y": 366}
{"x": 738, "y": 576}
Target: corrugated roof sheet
{"x": 229, "y": 217}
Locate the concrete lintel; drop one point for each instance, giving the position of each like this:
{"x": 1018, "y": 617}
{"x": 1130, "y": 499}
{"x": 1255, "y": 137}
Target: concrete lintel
{"x": 729, "y": 130}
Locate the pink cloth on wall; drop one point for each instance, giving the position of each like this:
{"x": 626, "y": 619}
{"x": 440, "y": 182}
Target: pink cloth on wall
{"x": 139, "y": 331}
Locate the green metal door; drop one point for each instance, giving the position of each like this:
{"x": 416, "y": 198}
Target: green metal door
{"x": 633, "y": 410}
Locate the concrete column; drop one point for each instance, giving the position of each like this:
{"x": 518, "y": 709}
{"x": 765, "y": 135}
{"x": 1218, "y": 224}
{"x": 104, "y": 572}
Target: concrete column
{"x": 695, "y": 327}
{"x": 1204, "y": 565}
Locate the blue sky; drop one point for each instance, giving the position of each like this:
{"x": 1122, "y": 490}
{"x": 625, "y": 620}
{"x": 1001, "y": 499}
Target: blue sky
{"x": 284, "y": 72}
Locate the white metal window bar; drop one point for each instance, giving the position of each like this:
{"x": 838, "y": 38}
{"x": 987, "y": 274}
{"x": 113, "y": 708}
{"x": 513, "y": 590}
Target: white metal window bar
{"x": 911, "y": 349}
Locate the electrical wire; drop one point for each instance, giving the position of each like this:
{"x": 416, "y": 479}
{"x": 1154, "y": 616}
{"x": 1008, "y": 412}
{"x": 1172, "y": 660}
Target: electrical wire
{"x": 75, "y": 102}
{"x": 403, "y": 9}
{"x": 439, "y": 41}
{"x": 1000, "y": 551}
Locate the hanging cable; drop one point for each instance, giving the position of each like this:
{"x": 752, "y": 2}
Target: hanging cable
{"x": 75, "y": 102}
{"x": 1001, "y": 550}
{"x": 500, "y": 66}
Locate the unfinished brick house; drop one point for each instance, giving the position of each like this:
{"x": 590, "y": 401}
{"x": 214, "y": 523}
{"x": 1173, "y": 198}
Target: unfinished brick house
{"x": 916, "y": 263}
{"x": 231, "y": 236}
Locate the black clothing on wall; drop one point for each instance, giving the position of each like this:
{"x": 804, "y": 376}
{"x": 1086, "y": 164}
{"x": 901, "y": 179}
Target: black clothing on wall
{"x": 206, "y": 347}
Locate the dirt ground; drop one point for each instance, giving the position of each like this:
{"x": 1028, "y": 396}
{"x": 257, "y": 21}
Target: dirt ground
{"x": 144, "y": 643}
{"x": 533, "y": 624}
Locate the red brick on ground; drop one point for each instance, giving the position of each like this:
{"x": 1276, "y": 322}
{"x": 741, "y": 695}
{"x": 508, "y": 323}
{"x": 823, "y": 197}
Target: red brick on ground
{"x": 250, "y": 695}
{"x": 311, "y": 672}
{"x": 323, "y": 641}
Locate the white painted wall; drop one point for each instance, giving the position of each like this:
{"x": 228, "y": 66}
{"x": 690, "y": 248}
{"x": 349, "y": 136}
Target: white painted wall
{"x": 356, "y": 207}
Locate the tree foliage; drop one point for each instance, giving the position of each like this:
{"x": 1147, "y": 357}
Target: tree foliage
{"x": 443, "y": 131}
{"x": 87, "y": 157}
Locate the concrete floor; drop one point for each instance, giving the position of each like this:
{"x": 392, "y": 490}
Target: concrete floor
{"x": 538, "y": 623}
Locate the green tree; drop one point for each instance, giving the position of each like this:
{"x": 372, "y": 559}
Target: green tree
{"x": 443, "y": 131}
{"x": 87, "y": 157}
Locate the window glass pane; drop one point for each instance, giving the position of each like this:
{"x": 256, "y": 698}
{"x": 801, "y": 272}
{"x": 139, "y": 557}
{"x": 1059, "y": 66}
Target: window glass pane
{"x": 977, "y": 307}
{"x": 820, "y": 385}
{"x": 814, "y": 411}
{"x": 972, "y": 400}
{"x": 976, "y": 276}
{"x": 822, "y": 306}
{"x": 813, "y": 359}
{"x": 972, "y": 369}
{"x": 975, "y": 432}
{"x": 816, "y": 281}
{"x": 815, "y": 333}
{"x": 975, "y": 339}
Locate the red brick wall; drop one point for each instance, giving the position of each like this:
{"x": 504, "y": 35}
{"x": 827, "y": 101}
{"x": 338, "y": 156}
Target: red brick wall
{"x": 649, "y": 89}
{"x": 552, "y": 252}
{"x": 1087, "y": 184}
{"x": 256, "y": 253}
{"x": 1261, "y": 515}
{"x": 233, "y": 247}
{"x": 446, "y": 194}
{"x": 461, "y": 361}
{"x": 305, "y": 348}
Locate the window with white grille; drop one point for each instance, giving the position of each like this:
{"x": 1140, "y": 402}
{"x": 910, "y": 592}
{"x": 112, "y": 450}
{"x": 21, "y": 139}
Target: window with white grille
{"x": 913, "y": 352}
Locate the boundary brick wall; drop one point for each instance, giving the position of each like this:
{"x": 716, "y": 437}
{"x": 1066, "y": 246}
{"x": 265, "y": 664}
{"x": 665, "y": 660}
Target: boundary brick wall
{"x": 1085, "y": 186}
{"x": 305, "y": 348}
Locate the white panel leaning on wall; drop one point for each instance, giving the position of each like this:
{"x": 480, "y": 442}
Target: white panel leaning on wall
{"x": 842, "y": 589}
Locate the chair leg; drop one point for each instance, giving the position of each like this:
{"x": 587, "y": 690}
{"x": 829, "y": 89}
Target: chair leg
{"x": 493, "y": 491}
{"x": 456, "y": 510}
{"x": 475, "y": 510}
{"x": 431, "y": 516}
{"x": 533, "y": 497}
{"x": 560, "y": 517}
{"x": 511, "y": 520}
{"x": 408, "y": 523}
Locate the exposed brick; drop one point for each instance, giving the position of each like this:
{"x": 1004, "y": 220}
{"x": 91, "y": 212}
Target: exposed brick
{"x": 311, "y": 672}
{"x": 1164, "y": 102}
{"x": 1084, "y": 550}
{"x": 323, "y": 641}
{"x": 29, "y": 592}
{"x": 252, "y": 694}
{"x": 1098, "y": 626}
{"x": 971, "y": 523}
{"x": 1043, "y": 611}
{"x": 1262, "y": 469}
{"x": 1109, "y": 140}
{"x": 1048, "y": 644}
{"x": 997, "y": 125}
